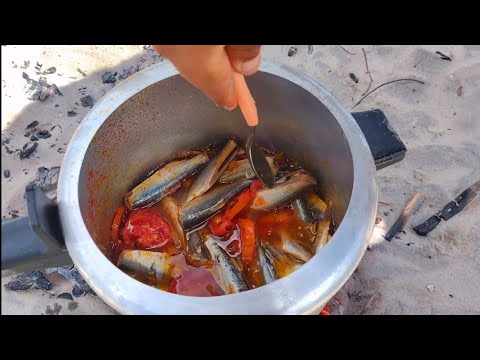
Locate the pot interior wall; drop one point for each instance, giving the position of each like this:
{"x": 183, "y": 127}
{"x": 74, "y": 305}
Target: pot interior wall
{"x": 171, "y": 116}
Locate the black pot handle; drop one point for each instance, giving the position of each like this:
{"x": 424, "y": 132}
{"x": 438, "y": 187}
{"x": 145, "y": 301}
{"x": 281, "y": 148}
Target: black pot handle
{"x": 34, "y": 242}
{"x": 385, "y": 144}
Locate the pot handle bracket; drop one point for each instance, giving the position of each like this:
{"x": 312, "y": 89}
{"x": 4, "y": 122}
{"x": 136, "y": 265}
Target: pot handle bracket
{"x": 386, "y": 146}
{"x": 34, "y": 242}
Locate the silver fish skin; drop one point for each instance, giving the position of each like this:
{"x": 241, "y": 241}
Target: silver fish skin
{"x": 268, "y": 270}
{"x": 145, "y": 262}
{"x": 230, "y": 277}
{"x": 284, "y": 192}
{"x": 301, "y": 209}
{"x": 196, "y": 253}
{"x": 171, "y": 210}
{"x": 163, "y": 182}
{"x": 322, "y": 236}
{"x": 202, "y": 208}
{"x": 244, "y": 170}
{"x": 213, "y": 170}
{"x": 276, "y": 256}
{"x": 315, "y": 205}
{"x": 294, "y": 249}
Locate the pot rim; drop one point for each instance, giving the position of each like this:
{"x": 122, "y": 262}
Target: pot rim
{"x": 305, "y": 291}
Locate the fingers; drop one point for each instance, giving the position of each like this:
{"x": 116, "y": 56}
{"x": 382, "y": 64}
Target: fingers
{"x": 211, "y": 68}
{"x": 245, "y": 59}
{"x": 206, "y": 67}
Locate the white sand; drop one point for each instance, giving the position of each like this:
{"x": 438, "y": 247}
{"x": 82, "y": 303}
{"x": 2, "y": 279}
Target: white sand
{"x": 437, "y": 274}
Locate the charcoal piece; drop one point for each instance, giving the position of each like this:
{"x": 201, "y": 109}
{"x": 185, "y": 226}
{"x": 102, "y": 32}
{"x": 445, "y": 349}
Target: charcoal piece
{"x": 354, "y": 78}
{"x": 33, "y": 138}
{"x": 87, "y": 101}
{"x": 32, "y": 124}
{"x": 44, "y": 134}
{"x": 49, "y": 71}
{"x": 28, "y": 149}
{"x": 108, "y": 78}
{"x": 6, "y": 173}
{"x": 66, "y": 296}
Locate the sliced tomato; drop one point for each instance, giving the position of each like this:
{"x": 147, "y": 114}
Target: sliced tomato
{"x": 221, "y": 225}
{"x": 247, "y": 238}
{"x": 255, "y": 186}
{"x": 146, "y": 229}
{"x": 117, "y": 223}
{"x": 237, "y": 204}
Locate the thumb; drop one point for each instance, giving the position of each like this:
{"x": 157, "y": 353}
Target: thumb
{"x": 245, "y": 59}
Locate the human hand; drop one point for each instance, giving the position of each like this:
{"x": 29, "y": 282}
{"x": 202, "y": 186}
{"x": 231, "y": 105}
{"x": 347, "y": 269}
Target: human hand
{"x": 211, "y": 68}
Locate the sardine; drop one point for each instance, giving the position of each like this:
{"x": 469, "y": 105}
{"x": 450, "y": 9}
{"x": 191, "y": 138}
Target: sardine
{"x": 163, "y": 182}
{"x": 316, "y": 206}
{"x": 145, "y": 262}
{"x": 301, "y": 209}
{"x": 213, "y": 170}
{"x": 294, "y": 249}
{"x": 268, "y": 270}
{"x": 196, "y": 253}
{"x": 244, "y": 170}
{"x": 283, "y": 193}
{"x": 202, "y": 208}
{"x": 230, "y": 277}
{"x": 283, "y": 263}
{"x": 170, "y": 210}
{"x": 322, "y": 236}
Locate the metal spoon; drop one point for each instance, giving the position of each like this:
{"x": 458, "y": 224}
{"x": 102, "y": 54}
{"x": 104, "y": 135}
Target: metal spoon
{"x": 257, "y": 158}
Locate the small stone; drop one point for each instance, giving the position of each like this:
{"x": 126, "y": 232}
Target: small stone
{"x": 292, "y": 51}
{"x": 354, "y": 78}
{"x": 6, "y": 173}
{"x": 28, "y": 149}
{"x": 44, "y": 134}
{"x": 87, "y": 101}
{"x": 32, "y": 124}
{"x": 66, "y": 296}
{"x": 77, "y": 291}
{"x": 49, "y": 71}
{"x": 108, "y": 78}
{"x": 430, "y": 288}
{"x": 27, "y": 134}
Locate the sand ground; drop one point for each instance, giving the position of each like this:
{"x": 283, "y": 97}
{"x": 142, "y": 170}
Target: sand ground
{"x": 438, "y": 121}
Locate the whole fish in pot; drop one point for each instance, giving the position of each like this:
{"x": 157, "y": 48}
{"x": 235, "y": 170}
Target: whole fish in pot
{"x": 171, "y": 211}
{"x": 284, "y": 192}
{"x": 196, "y": 253}
{"x": 213, "y": 170}
{"x": 316, "y": 206}
{"x": 294, "y": 248}
{"x": 163, "y": 182}
{"x": 322, "y": 236}
{"x": 300, "y": 207}
{"x": 145, "y": 262}
{"x": 230, "y": 277}
{"x": 268, "y": 270}
{"x": 242, "y": 169}
{"x": 202, "y": 208}
{"x": 283, "y": 263}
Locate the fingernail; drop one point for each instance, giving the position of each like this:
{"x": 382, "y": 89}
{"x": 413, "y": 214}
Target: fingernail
{"x": 249, "y": 66}
{"x": 229, "y": 108}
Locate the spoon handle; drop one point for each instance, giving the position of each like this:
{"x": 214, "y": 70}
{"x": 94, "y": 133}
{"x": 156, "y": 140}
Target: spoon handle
{"x": 245, "y": 100}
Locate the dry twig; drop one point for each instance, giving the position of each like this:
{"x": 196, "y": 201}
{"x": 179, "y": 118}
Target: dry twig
{"x": 389, "y": 82}
{"x": 368, "y": 71}
{"x": 348, "y": 52}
